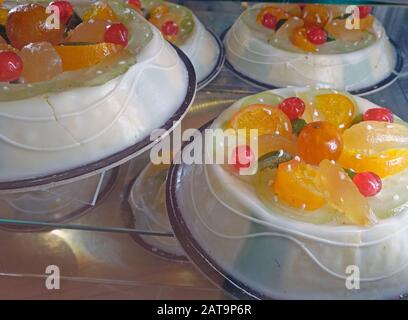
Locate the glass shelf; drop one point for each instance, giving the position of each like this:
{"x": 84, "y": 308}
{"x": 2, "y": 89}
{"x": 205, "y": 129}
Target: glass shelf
{"x": 94, "y": 245}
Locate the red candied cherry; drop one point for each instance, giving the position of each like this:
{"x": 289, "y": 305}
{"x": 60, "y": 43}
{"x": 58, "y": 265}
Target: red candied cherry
{"x": 378, "y": 114}
{"x": 170, "y": 28}
{"x": 11, "y": 66}
{"x": 293, "y": 107}
{"x": 368, "y": 183}
{"x": 316, "y": 35}
{"x": 65, "y": 10}
{"x": 117, "y": 33}
{"x": 135, "y": 4}
{"x": 364, "y": 11}
{"x": 269, "y": 20}
{"x": 242, "y": 157}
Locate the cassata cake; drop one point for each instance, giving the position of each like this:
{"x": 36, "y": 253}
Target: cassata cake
{"x": 327, "y": 191}
{"x": 76, "y": 94}
{"x": 278, "y": 45}
{"x": 182, "y": 28}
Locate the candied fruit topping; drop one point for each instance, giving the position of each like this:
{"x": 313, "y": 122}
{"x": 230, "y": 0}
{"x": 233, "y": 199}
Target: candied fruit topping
{"x": 277, "y": 12}
{"x": 316, "y": 35}
{"x": 88, "y": 31}
{"x": 271, "y": 142}
{"x": 293, "y": 107}
{"x": 3, "y": 16}
{"x": 135, "y": 4}
{"x": 299, "y": 39}
{"x": 100, "y": 11}
{"x": 83, "y": 56}
{"x": 65, "y": 10}
{"x": 378, "y": 114}
{"x": 265, "y": 118}
{"x": 337, "y": 109}
{"x": 11, "y": 66}
{"x": 170, "y": 28}
{"x": 158, "y": 11}
{"x": 364, "y": 11}
{"x": 27, "y": 23}
{"x": 117, "y": 33}
{"x": 375, "y": 146}
{"x": 41, "y": 62}
{"x": 368, "y": 183}
{"x": 269, "y": 21}
{"x": 316, "y": 15}
{"x": 337, "y": 29}
{"x": 295, "y": 185}
{"x": 318, "y": 141}
{"x": 176, "y": 23}
{"x": 342, "y": 194}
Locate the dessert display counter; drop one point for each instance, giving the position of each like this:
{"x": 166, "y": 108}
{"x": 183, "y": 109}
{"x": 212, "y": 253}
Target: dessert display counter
{"x": 109, "y": 226}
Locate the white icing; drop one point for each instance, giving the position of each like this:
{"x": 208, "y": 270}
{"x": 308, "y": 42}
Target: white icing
{"x": 314, "y": 252}
{"x": 59, "y": 131}
{"x": 202, "y": 49}
{"x": 252, "y": 56}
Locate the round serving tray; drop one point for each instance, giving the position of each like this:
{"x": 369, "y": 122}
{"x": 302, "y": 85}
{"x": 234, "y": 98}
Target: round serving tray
{"x": 218, "y": 66}
{"x": 161, "y": 246}
{"x": 361, "y": 92}
{"x": 115, "y": 159}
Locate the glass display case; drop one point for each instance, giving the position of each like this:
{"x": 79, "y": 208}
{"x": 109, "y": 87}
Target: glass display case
{"x": 107, "y": 229}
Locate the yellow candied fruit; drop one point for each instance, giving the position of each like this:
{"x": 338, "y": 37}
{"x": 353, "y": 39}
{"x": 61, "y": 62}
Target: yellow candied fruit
{"x": 100, "y": 11}
{"x": 295, "y": 185}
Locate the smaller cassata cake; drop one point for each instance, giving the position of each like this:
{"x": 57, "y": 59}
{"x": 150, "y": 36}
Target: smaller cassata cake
{"x": 329, "y": 186}
{"x": 182, "y": 28}
{"x": 73, "y": 95}
{"x": 313, "y": 45}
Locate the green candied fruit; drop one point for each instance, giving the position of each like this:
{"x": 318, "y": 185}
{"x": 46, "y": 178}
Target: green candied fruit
{"x": 272, "y": 159}
{"x": 187, "y": 26}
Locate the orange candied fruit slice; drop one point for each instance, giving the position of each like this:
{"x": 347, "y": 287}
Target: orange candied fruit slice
{"x": 3, "y": 16}
{"x": 27, "y": 24}
{"x": 367, "y": 22}
{"x": 266, "y": 118}
{"x": 84, "y": 56}
{"x": 375, "y": 146}
{"x": 299, "y": 39}
{"x": 337, "y": 109}
{"x": 100, "y": 11}
{"x": 316, "y": 14}
{"x": 295, "y": 185}
{"x": 384, "y": 164}
{"x": 158, "y": 11}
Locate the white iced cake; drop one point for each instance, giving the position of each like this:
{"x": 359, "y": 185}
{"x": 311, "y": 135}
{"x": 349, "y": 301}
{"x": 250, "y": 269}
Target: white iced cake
{"x": 312, "y": 45}
{"x": 181, "y": 27}
{"x": 115, "y": 79}
{"x": 328, "y": 191}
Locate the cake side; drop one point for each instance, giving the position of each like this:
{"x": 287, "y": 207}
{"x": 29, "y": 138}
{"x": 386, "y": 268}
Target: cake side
{"x": 202, "y": 49}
